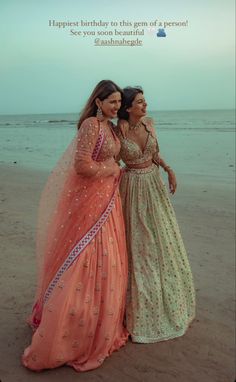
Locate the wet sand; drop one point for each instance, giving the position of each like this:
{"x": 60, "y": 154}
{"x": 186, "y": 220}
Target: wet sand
{"x": 205, "y": 212}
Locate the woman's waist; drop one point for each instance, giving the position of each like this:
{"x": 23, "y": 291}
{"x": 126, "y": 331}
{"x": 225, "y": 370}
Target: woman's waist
{"x": 138, "y": 169}
{"x": 140, "y": 165}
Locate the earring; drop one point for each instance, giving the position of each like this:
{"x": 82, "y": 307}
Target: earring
{"x": 99, "y": 114}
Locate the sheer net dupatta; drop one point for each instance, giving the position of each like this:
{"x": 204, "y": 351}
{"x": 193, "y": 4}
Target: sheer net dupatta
{"x": 75, "y": 203}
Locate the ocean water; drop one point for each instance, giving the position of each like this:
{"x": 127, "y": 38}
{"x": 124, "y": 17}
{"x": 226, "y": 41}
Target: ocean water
{"x": 195, "y": 143}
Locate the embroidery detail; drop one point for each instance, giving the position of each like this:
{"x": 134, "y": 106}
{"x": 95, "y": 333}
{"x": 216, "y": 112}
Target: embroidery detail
{"x": 79, "y": 247}
{"x": 98, "y": 145}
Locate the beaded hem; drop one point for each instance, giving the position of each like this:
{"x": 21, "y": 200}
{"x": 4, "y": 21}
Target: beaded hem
{"x": 149, "y": 340}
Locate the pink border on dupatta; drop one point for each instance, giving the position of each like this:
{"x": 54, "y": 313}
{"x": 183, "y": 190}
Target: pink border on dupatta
{"x": 98, "y": 145}
{"x": 86, "y": 239}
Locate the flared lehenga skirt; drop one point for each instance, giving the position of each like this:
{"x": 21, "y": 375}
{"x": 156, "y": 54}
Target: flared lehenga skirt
{"x": 82, "y": 321}
{"x": 161, "y": 296}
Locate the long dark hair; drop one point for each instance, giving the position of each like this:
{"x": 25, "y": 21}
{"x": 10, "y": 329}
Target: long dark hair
{"x": 129, "y": 94}
{"x": 102, "y": 91}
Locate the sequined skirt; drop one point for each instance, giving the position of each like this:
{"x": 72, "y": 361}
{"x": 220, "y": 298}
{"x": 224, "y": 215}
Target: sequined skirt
{"x": 82, "y": 322}
{"x": 161, "y": 296}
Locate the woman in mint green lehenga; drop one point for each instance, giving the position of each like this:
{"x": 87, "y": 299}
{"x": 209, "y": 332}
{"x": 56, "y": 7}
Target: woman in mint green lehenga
{"x": 161, "y": 296}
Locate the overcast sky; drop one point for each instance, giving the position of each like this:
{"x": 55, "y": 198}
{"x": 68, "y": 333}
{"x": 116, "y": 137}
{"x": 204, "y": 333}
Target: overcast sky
{"x": 47, "y": 70}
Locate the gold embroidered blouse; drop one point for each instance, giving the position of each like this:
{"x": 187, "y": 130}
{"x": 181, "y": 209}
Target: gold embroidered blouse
{"x": 130, "y": 152}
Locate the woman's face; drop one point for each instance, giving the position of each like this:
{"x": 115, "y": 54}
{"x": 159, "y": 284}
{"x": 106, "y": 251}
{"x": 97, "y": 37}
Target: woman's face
{"x": 139, "y": 106}
{"x": 110, "y": 105}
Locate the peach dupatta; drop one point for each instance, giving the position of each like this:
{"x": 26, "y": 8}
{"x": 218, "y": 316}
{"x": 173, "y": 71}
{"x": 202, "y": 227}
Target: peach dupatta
{"x": 72, "y": 210}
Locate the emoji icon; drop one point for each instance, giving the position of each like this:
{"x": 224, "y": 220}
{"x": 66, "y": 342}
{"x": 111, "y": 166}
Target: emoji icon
{"x": 151, "y": 31}
{"x": 161, "y": 32}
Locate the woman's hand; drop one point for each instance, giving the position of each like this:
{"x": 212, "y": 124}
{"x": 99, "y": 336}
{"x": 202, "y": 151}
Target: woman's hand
{"x": 172, "y": 181}
{"x": 117, "y": 170}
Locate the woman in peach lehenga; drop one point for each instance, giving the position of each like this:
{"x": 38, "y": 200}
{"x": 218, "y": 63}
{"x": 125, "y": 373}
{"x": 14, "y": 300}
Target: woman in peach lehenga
{"x": 79, "y": 305}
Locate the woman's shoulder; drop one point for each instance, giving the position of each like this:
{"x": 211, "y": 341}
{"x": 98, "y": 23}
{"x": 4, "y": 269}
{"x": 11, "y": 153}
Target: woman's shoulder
{"x": 150, "y": 125}
{"x": 148, "y": 121}
{"x": 90, "y": 124}
{"x": 122, "y": 127}
{"x": 90, "y": 121}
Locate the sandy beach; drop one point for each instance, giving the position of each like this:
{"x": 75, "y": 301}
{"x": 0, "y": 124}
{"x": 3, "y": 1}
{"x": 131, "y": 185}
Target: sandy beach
{"x": 205, "y": 211}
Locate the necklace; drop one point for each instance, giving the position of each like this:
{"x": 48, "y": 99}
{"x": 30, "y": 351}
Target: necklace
{"x": 135, "y": 126}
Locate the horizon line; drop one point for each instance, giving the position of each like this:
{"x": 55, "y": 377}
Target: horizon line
{"x": 150, "y": 111}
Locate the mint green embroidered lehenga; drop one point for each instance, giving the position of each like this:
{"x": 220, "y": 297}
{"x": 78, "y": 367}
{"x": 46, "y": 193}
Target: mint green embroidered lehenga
{"x": 161, "y": 296}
